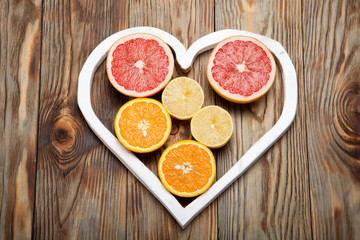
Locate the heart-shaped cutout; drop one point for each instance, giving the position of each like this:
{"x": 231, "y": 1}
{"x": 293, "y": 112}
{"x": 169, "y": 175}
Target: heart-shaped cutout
{"x": 185, "y": 58}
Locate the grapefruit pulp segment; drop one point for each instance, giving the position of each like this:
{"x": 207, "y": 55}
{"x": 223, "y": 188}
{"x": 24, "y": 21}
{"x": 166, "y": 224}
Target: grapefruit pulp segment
{"x": 241, "y": 69}
{"x": 139, "y": 65}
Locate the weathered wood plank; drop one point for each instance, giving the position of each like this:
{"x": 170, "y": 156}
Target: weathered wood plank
{"x": 272, "y": 199}
{"x": 331, "y": 63}
{"x": 19, "y": 97}
{"x": 83, "y": 191}
{"x": 146, "y": 217}
{"x": 81, "y": 187}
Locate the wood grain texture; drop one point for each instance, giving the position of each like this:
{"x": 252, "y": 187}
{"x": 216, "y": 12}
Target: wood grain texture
{"x": 19, "y": 96}
{"x": 331, "y": 61}
{"x": 271, "y": 200}
{"x": 81, "y": 187}
{"x": 58, "y": 181}
{"x": 146, "y": 217}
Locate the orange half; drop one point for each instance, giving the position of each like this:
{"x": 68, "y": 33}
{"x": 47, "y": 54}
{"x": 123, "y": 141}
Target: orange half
{"x": 142, "y": 125}
{"x": 187, "y": 168}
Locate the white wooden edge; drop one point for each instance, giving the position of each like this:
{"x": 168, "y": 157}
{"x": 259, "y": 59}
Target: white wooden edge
{"x": 185, "y": 59}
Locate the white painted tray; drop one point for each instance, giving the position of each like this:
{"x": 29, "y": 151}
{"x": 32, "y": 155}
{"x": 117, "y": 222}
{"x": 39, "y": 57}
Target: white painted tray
{"x": 185, "y": 59}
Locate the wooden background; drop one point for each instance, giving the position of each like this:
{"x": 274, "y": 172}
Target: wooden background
{"x": 57, "y": 180}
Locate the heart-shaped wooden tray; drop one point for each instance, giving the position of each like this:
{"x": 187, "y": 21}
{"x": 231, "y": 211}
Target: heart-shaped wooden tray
{"x": 185, "y": 58}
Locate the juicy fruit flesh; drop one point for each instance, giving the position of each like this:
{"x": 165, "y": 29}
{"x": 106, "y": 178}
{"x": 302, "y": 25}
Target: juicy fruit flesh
{"x": 241, "y": 67}
{"x": 139, "y": 64}
{"x": 143, "y": 124}
{"x": 182, "y": 97}
{"x": 187, "y": 168}
{"x": 212, "y": 126}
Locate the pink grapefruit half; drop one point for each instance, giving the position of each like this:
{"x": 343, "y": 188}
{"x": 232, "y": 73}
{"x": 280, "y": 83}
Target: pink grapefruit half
{"x": 241, "y": 69}
{"x": 139, "y": 65}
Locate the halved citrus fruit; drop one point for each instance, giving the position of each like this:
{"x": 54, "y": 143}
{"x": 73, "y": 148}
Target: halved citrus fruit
{"x": 212, "y": 126}
{"x": 139, "y": 65}
{"x": 182, "y": 97}
{"x": 142, "y": 125}
{"x": 187, "y": 168}
{"x": 241, "y": 69}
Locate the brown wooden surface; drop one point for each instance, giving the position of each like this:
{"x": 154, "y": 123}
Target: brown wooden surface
{"x": 59, "y": 181}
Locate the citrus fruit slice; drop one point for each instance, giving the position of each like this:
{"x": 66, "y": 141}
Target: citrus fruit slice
{"x": 212, "y": 126}
{"x": 241, "y": 69}
{"x": 139, "y": 65}
{"x": 187, "y": 168}
{"x": 182, "y": 97}
{"x": 142, "y": 125}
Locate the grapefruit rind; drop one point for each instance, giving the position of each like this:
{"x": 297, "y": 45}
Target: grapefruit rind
{"x": 135, "y": 148}
{"x": 199, "y": 139}
{"x": 131, "y": 93}
{"x": 237, "y": 98}
{"x": 187, "y": 194}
